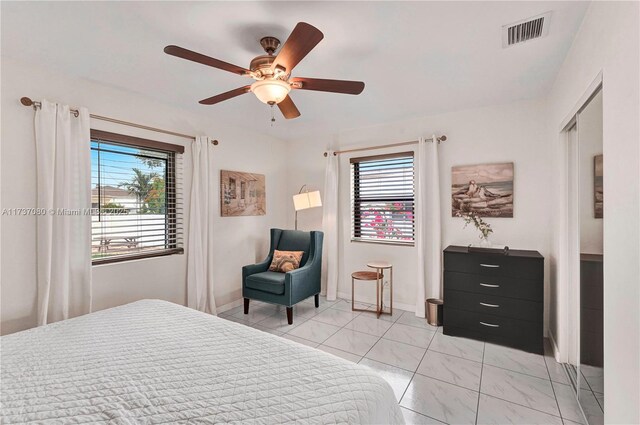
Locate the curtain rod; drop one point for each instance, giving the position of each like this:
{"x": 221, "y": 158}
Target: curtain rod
{"x": 35, "y": 104}
{"x": 368, "y": 148}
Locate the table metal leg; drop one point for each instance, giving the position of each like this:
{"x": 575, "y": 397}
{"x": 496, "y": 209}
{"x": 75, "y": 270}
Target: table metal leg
{"x": 353, "y": 291}
{"x": 391, "y": 290}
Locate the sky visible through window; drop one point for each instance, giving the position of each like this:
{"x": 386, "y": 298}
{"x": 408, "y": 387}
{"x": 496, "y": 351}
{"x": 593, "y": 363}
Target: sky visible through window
{"x": 129, "y": 199}
{"x": 117, "y": 163}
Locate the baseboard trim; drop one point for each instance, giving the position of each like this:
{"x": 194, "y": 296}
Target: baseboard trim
{"x": 229, "y": 306}
{"x": 554, "y": 346}
{"x": 343, "y": 295}
{"x": 400, "y": 306}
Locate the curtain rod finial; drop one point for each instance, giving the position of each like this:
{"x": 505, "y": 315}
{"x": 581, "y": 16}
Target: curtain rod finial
{"x": 26, "y": 101}
{"x": 442, "y": 138}
{"x": 325, "y": 154}
{"x": 215, "y": 142}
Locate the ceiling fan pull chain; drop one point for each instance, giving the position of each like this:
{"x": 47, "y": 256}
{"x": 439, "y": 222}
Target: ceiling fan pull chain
{"x": 273, "y": 117}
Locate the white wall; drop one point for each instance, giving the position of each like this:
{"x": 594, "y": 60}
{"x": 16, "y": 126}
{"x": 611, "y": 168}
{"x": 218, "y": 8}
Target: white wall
{"x": 608, "y": 42}
{"x": 506, "y": 133}
{"x": 242, "y": 240}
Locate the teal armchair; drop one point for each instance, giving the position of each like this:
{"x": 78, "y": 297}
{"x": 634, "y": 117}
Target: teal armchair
{"x": 287, "y": 289}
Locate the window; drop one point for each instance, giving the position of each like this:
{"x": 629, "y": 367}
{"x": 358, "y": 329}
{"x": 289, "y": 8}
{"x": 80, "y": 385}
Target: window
{"x": 135, "y": 196}
{"x": 382, "y": 198}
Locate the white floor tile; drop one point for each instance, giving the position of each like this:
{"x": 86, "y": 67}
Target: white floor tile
{"x": 335, "y": 317}
{"x": 347, "y": 356}
{"x": 352, "y": 341}
{"x": 231, "y": 311}
{"x": 409, "y": 318}
{"x": 398, "y": 378}
{"x": 314, "y": 331}
{"x": 440, "y": 400}
{"x": 397, "y": 354}
{"x": 460, "y": 347}
{"x": 237, "y": 320}
{"x": 495, "y": 411}
{"x": 420, "y": 337}
{"x": 413, "y": 418}
{"x": 514, "y": 385}
{"x": 345, "y": 305}
{"x": 556, "y": 370}
{"x": 600, "y": 398}
{"x": 300, "y": 340}
{"x": 384, "y": 317}
{"x": 266, "y": 329}
{"x": 526, "y": 390}
{"x": 279, "y": 323}
{"x": 570, "y": 409}
{"x": 455, "y": 370}
{"x": 323, "y": 301}
{"x": 369, "y": 325}
{"x": 307, "y": 310}
{"x": 594, "y": 376}
{"x": 255, "y": 314}
{"x": 515, "y": 360}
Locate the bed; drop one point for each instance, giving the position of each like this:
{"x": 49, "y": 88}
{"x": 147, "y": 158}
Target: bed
{"x": 153, "y": 362}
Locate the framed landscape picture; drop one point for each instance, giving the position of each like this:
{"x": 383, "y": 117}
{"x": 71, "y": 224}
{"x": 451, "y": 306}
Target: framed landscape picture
{"x": 242, "y": 194}
{"x": 486, "y": 189}
{"x": 598, "y": 194}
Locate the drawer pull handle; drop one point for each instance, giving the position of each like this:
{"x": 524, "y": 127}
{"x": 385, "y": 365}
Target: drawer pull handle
{"x": 493, "y": 266}
{"x": 488, "y": 285}
{"x": 490, "y": 325}
{"x": 490, "y": 305}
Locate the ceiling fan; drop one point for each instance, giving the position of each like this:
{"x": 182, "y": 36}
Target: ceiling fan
{"x": 272, "y": 74}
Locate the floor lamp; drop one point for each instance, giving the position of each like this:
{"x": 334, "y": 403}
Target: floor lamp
{"x": 306, "y": 200}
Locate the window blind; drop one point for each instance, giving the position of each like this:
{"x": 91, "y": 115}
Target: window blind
{"x": 136, "y": 196}
{"x": 382, "y": 198}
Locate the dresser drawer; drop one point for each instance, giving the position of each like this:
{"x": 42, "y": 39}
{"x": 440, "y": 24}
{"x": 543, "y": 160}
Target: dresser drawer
{"x": 494, "y": 305}
{"x": 501, "y": 330}
{"x": 494, "y": 265}
{"x": 532, "y": 290}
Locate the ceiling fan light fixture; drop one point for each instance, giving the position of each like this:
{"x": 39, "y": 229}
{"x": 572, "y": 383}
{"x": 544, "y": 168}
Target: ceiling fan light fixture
{"x": 270, "y": 91}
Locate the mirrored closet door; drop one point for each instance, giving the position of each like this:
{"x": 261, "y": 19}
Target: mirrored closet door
{"x": 586, "y": 366}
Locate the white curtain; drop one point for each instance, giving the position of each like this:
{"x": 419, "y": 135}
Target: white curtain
{"x": 201, "y": 213}
{"x": 63, "y": 157}
{"x": 428, "y": 224}
{"x": 330, "y": 225}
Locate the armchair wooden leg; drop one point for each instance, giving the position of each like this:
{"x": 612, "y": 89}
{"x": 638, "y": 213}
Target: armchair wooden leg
{"x": 317, "y": 300}
{"x": 246, "y": 306}
{"x": 290, "y": 315}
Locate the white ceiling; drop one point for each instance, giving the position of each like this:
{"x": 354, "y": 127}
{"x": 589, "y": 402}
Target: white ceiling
{"x": 416, "y": 58}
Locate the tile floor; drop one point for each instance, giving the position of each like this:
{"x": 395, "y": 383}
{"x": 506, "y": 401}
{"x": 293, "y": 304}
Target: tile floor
{"x": 436, "y": 378}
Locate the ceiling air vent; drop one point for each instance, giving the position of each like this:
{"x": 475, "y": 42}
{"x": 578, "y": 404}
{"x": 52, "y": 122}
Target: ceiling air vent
{"x": 528, "y": 29}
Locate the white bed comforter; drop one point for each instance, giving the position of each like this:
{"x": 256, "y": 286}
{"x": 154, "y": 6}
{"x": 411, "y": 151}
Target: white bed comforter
{"x": 153, "y": 362}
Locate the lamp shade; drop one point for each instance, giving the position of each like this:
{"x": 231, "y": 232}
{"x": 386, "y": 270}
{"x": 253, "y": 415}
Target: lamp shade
{"x": 305, "y": 200}
{"x": 270, "y": 90}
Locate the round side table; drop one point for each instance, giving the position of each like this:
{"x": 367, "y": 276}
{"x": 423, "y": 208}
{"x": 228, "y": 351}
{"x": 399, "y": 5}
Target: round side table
{"x": 364, "y": 275}
{"x": 380, "y": 267}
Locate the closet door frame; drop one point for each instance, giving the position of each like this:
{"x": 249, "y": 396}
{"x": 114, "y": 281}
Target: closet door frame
{"x": 571, "y": 288}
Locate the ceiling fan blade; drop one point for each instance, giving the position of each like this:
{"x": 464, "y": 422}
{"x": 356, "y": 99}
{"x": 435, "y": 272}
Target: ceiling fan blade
{"x": 225, "y": 96}
{"x": 333, "y": 86}
{"x": 302, "y": 40}
{"x": 288, "y": 108}
{"x": 205, "y": 60}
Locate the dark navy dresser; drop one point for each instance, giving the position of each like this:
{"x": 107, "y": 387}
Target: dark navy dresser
{"x": 495, "y": 297}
